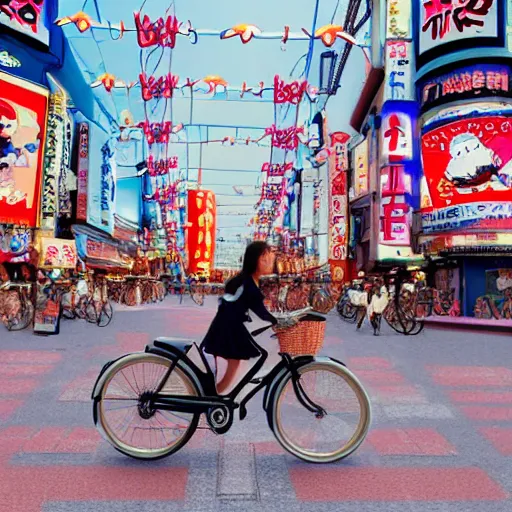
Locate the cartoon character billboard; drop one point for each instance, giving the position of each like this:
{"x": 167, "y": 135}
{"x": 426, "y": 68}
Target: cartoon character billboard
{"x": 467, "y": 168}
{"x": 23, "y": 112}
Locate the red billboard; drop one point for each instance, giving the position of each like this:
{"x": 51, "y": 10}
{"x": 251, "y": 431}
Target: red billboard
{"x": 202, "y": 214}
{"x": 23, "y": 111}
{"x": 469, "y": 161}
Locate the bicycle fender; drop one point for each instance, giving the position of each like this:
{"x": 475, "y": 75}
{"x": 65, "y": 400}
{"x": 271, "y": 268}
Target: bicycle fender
{"x": 298, "y": 362}
{"x": 97, "y": 388}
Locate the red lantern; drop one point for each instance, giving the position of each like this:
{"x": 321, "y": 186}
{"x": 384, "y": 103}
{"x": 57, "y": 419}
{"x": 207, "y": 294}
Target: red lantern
{"x": 202, "y": 213}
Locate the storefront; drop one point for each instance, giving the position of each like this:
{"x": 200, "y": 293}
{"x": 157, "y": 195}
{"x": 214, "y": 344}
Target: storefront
{"x": 464, "y": 226}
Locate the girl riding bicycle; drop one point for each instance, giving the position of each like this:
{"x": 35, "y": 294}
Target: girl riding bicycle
{"x": 228, "y": 337}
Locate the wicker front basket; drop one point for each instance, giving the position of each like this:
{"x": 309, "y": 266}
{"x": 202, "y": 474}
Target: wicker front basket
{"x": 305, "y": 338}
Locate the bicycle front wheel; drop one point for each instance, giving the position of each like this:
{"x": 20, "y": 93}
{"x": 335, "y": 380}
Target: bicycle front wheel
{"x": 23, "y": 319}
{"x": 330, "y": 436}
{"x": 124, "y": 413}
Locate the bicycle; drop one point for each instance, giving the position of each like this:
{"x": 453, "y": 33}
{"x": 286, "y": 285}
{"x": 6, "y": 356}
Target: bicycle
{"x": 98, "y": 308}
{"x": 193, "y": 289}
{"x": 18, "y": 309}
{"x": 74, "y": 301}
{"x": 158, "y": 412}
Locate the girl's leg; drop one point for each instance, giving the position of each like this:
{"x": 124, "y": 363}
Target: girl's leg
{"x": 229, "y": 375}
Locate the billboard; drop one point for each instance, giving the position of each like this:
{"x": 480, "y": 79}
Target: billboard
{"x": 466, "y": 83}
{"x": 398, "y": 19}
{"x": 468, "y": 175}
{"x": 338, "y": 218}
{"x": 23, "y": 114}
{"x": 202, "y": 218}
{"x": 27, "y": 17}
{"x": 448, "y": 25}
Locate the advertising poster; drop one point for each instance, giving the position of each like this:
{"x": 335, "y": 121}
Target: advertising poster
{"x": 360, "y": 181}
{"x": 28, "y": 17}
{"x": 468, "y": 174}
{"x": 23, "y": 112}
{"x": 448, "y": 21}
{"x": 399, "y": 77}
{"x": 57, "y": 253}
{"x": 470, "y": 82}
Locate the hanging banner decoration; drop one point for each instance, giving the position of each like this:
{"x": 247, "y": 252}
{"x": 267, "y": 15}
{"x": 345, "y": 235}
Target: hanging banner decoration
{"x": 338, "y": 228}
{"x": 155, "y": 88}
{"x": 470, "y": 82}
{"x": 288, "y": 93}
{"x": 161, "y": 167}
{"x": 57, "y": 253}
{"x": 27, "y": 17}
{"x": 161, "y": 32}
{"x": 360, "y": 181}
{"x": 396, "y": 136}
{"x": 399, "y": 74}
{"x": 468, "y": 174}
{"x": 23, "y": 111}
{"x": 83, "y": 171}
{"x": 287, "y": 138}
{"x": 395, "y": 213}
{"x": 276, "y": 170}
{"x": 202, "y": 230}
{"x": 398, "y": 19}
{"x": 244, "y": 31}
{"x": 456, "y": 22}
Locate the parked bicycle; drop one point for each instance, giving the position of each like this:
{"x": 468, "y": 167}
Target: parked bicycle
{"x": 147, "y": 405}
{"x": 98, "y": 309}
{"x": 193, "y": 288}
{"x": 16, "y": 305}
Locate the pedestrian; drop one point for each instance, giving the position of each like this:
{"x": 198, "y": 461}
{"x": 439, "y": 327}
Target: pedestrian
{"x": 377, "y": 305}
{"x": 227, "y": 337}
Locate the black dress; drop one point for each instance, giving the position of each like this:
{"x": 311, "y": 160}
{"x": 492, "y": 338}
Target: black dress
{"x": 228, "y": 337}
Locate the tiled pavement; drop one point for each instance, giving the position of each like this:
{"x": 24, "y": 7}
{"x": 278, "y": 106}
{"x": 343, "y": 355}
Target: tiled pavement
{"x": 441, "y": 438}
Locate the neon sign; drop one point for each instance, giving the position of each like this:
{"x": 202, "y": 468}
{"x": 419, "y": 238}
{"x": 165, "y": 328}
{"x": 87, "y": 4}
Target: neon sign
{"x": 480, "y": 81}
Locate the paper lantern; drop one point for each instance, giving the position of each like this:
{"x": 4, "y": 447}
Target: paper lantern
{"x": 202, "y": 213}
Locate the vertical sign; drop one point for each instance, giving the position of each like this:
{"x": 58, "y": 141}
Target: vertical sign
{"x": 398, "y": 82}
{"x": 398, "y": 19}
{"x": 338, "y": 205}
{"x": 83, "y": 171}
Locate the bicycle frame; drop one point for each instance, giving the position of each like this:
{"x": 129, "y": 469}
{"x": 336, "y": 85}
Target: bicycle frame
{"x": 217, "y": 406}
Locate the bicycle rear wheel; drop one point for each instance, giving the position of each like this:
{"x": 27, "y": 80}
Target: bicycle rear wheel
{"x": 123, "y": 411}
{"x": 336, "y": 434}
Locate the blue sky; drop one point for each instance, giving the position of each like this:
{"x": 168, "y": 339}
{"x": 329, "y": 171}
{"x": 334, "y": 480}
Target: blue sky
{"x": 259, "y": 60}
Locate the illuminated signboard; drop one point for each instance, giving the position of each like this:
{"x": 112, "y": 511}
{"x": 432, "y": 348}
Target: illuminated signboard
{"x": 395, "y": 213}
{"x": 468, "y": 175}
{"x": 398, "y": 82}
{"x": 398, "y": 19}
{"x": 477, "y": 81}
{"x": 397, "y": 131}
{"x": 448, "y": 25}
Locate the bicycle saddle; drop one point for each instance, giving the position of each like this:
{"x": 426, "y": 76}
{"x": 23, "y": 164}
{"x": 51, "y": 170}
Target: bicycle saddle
{"x": 181, "y": 344}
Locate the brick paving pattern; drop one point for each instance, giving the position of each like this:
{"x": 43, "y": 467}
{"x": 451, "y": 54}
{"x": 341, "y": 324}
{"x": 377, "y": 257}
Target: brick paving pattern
{"x": 441, "y": 438}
